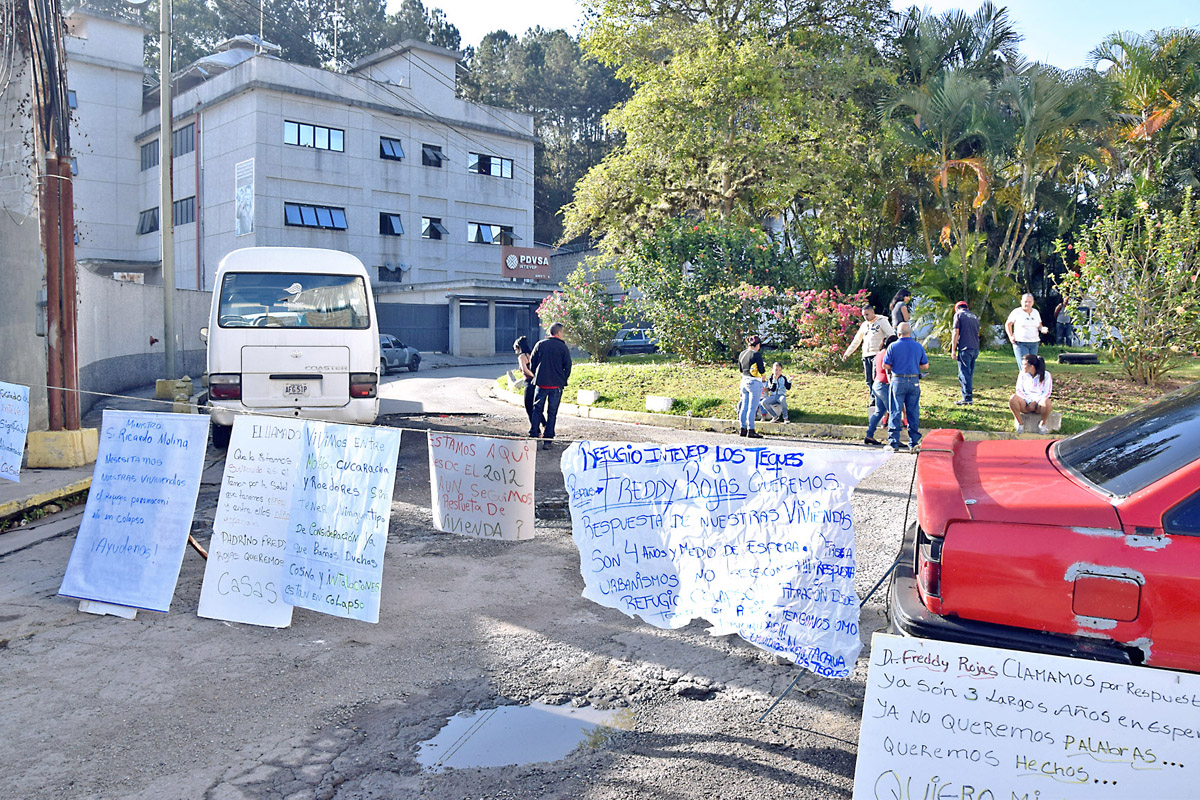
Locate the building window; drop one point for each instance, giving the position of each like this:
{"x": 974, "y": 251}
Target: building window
{"x": 472, "y": 315}
{"x": 72, "y": 99}
{"x": 390, "y": 149}
{"x": 489, "y": 165}
{"x": 432, "y": 228}
{"x": 150, "y": 155}
{"x": 184, "y": 210}
{"x": 74, "y": 166}
{"x": 482, "y": 233}
{"x": 319, "y": 137}
{"x": 147, "y": 221}
{"x": 306, "y": 216}
{"x": 432, "y": 155}
{"x": 389, "y": 224}
{"x": 183, "y": 141}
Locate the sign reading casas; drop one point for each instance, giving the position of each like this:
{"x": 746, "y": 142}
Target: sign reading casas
{"x": 524, "y": 262}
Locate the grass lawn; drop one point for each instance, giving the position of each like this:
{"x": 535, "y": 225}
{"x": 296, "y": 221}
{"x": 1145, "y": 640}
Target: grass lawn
{"x": 1085, "y": 395}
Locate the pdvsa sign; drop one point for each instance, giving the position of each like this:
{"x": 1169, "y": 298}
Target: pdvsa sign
{"x": 524, "y": 262}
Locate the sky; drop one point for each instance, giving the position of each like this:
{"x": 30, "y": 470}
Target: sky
{"x": 1059, "y": 32}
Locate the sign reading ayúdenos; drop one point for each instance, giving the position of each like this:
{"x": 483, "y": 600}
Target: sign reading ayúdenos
{"x": 951, "y": 720}
{"x": 139, "y": 511}
{"x": 759, "y": 541}
{"x": 482, "y": 487}
{"x": 341, "y": 507}
{"x": 242, "y": 580}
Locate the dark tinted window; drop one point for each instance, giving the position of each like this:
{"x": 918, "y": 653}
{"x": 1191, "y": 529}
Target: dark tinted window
{"x": 1184, "y": 518}
{"x": 293, "y": 300}
{"x": 1132, "y": 451}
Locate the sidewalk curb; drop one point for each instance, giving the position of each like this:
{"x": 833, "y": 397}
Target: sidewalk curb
{"x": 807, "y": 430}
{"x": 13, "y": 507}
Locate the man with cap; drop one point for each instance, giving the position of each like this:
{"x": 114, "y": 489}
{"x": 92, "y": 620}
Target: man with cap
{"x": 964, "y": 348}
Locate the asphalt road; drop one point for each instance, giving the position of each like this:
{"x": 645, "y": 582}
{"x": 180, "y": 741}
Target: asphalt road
{"x": 175, "y": 706}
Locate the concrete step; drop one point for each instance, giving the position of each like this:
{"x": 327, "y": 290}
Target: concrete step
{"x": 1030, "y": 422}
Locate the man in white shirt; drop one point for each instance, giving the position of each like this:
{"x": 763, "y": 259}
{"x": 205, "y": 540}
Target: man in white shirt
{"x": 873, "y": 332}
{"x": 1024, "y": 327}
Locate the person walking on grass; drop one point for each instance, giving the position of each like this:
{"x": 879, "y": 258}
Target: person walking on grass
{"x": 550, "y": 363}
{"x": 964, "y": 349}
{"x": 1033, "y": 393}
{"x": 752, "y": 367}
{"x": 1024, "y": 328}
{"x": 872, "y": 333}
{"x": 904, "y": 361}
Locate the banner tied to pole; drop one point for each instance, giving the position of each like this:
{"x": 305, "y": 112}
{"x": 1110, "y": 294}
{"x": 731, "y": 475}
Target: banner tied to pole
{"x": 243, "y": 577}
{"x": 482, "y": 487}
{"x": 139, "y": 511}
{"x": 758, "y": 541}
{"x": 341, "y": 507}
{"x": 14, "y": 425}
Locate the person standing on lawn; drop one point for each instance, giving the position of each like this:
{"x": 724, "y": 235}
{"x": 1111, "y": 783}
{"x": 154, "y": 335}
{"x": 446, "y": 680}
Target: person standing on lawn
{"x": 550, "y": 363}
{"x": 873, "y": 331}
{"x": 1024, "y": 327}
{"x": 964, "y": 348}
{"x": 1063, "y": 327}
{"x": 882, "y": 391}
{"x": 904, "y": 361}
{"x": 751, "y": 364}
{"x": 899, "y": 308}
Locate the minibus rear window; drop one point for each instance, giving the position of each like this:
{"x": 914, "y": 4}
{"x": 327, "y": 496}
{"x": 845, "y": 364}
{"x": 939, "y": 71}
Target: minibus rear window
{"x": 291, "y": 300}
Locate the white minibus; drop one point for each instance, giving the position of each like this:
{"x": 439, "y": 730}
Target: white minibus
{"x": 292, "y": 332}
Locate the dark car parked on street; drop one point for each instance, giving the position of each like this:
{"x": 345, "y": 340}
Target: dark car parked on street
{"x": 394, "y": 356}
{"x": 1087, "y": 547}
{"x": 634, "y": 340}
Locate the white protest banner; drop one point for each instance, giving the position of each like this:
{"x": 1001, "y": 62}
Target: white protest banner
{"x": 250, "y": 530}
{"x": 482, "y": 487}
{"x": 341, "y": 506}
{"x": 139, "y": 511}
{"x": 759, "y": 541}
{"x": 14, "y": 424}
{"x": 954, "y": 720}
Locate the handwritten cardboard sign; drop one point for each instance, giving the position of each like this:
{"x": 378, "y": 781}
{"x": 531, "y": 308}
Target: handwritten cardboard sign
{"x": 482, "y": 487}
{"x": 242, "y": 579}
{"x": 341, "y": 507}
{"x": 14, "y": 425}
{"x": 759, "y": 541}
{"x": 952, "y": 720}
{"x": 135, "y": 526}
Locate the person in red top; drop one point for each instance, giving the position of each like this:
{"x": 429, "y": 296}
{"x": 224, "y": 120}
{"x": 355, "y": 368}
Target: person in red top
{"x": 880, "y": 389}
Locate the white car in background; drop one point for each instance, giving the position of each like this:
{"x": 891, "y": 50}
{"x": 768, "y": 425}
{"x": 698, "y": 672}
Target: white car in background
{"x": 394, "y": 355}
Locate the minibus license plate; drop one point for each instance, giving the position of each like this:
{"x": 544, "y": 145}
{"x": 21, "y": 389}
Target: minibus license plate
{"x": 295, "y": 389}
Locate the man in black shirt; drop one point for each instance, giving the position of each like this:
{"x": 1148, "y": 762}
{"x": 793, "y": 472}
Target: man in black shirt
{"x": 551, "y": 365}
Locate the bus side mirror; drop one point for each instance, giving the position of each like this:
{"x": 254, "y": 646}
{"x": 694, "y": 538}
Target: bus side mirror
{"x": 204, "y": 334}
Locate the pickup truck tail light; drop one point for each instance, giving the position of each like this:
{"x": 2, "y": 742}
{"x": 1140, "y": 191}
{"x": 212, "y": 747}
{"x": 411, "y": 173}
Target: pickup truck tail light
{"x": 363, "y": 384}
{"x": 929, "y": 570}
{"x": 225, "y": 386}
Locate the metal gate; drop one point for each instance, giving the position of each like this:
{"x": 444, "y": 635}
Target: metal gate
{"x": 513, "y": 321}
{"x": 425, "y": 327}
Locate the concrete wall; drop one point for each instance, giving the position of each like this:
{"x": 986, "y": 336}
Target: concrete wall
{"x": 115, "y": 326}
{"x": 22, "y": 352}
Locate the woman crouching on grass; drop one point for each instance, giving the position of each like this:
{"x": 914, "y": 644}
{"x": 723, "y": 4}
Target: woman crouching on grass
{"x": 1033, "y": 392}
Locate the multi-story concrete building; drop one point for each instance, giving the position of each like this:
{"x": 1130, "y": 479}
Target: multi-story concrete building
{"x": 383, "y": 161}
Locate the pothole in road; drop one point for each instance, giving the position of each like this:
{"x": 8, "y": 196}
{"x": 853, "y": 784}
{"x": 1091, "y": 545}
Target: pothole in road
{"x": 513, "y": 735}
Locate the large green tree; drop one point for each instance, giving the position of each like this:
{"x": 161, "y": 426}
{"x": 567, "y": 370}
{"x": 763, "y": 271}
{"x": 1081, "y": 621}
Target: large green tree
{"x": 546, "y": 74}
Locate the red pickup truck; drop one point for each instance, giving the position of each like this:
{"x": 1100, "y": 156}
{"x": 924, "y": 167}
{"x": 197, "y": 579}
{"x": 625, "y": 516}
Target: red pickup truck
{"x": 1088, "y": 546}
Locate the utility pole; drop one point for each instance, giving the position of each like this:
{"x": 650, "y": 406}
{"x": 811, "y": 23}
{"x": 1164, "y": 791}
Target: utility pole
{"x": 166, "y": 194}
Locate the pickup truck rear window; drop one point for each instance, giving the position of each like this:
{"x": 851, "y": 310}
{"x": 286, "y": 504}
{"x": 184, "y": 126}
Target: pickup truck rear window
{"x": 1129, "y": 452}
{"x": 293, "y": 300}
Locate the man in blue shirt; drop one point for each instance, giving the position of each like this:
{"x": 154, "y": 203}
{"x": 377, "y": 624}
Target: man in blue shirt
{"x": 964, "y": 348}
{"x": 904, "y": 361}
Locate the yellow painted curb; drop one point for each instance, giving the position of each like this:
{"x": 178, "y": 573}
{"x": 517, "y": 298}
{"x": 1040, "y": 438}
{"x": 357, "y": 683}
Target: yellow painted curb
{"x": 49, "y": 496}
{"x": 61, "y": 449}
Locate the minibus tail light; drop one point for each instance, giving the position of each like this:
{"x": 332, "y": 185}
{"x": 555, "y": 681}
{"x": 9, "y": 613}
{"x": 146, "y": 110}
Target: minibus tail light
{"x": 363, "y": 384}
{"x": 225, "y": 386}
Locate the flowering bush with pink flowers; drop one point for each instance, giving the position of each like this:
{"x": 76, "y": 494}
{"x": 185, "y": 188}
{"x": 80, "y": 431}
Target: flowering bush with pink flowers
{"x": 817, "y": 325}
{"x": 590, "y": 315}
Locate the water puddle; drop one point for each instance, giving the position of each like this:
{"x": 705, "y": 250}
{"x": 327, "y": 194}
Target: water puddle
{"x": 511, "y": 735}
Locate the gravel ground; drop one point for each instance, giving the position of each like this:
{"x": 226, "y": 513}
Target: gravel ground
{"x": 175, "y": 706}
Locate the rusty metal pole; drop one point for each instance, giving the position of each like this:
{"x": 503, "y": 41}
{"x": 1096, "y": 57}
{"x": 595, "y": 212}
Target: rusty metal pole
{"x": 50, "y": 241}
{"x": 68, "y": 345}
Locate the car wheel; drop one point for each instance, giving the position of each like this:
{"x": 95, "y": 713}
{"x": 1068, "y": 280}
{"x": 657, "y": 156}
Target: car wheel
{"x": 220, "y": 436}
{"x": 383, "y": 367}
{"x": 415, "y": 364}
